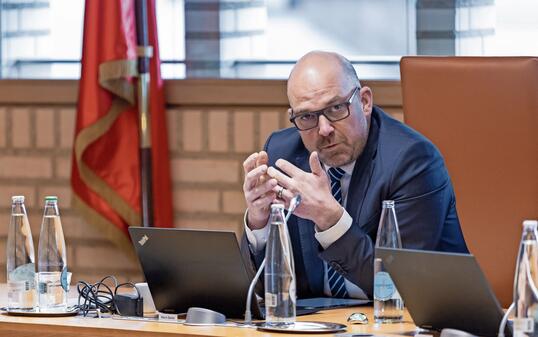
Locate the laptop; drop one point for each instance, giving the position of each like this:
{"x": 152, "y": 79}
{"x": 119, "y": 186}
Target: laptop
{"x": 444, "y": 290}
{"x": 202, "y": 268}
{"x": 193, "y": 268}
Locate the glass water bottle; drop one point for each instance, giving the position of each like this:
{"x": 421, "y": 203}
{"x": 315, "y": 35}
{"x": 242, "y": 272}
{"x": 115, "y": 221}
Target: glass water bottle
{"x": 52, "y": 266}
{"x": 526, "y": 282}
{"x": 388, "y": 304}
{"x": 20, "y": 259}
{"x": 280, "y": 293}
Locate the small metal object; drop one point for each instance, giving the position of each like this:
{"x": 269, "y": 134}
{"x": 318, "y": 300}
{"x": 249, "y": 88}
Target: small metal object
{"x": 304, "y": 327}
{"x": 279, "y": 194}
{"x": 358, "y": 318}
{"x": 69, "y": 311}
{"x": 295, "y": 201}
{"x": 202, "y": 316}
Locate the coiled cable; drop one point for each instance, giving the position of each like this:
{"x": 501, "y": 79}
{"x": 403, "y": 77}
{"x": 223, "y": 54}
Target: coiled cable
{"x": 98, "y": 297}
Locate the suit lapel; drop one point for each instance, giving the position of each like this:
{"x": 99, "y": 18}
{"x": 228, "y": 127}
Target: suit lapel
{"x": 363, "y": 171}
{"x": 309, "y": 244}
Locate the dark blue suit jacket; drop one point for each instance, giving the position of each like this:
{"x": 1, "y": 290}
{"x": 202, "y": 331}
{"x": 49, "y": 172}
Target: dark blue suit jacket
{"x": 397, "y": 164}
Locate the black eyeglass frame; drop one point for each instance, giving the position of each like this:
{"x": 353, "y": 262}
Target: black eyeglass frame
{"x": 323, "y": 111}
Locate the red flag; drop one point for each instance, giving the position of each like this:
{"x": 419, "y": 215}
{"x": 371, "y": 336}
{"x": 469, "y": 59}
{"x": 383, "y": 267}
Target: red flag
{"x": 106, "y": 167}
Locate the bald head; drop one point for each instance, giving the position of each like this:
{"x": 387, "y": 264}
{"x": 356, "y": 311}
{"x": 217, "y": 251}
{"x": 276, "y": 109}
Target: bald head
{"x": 317, "y": 69}
{"x": 320, "y": 84}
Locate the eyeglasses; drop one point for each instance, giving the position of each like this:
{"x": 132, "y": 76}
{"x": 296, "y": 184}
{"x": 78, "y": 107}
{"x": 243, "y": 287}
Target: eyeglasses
{"x": 309, "y": 120}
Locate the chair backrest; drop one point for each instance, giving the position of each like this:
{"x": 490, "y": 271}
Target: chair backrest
{"x": 482, "y": 113}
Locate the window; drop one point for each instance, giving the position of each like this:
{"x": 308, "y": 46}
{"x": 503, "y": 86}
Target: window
{"x": 37, "y": 33}
{"x": 516, "y": 28}
{"x": 263, "y": 38}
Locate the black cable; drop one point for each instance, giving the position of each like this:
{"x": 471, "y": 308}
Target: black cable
{"x": 97, "y": 297}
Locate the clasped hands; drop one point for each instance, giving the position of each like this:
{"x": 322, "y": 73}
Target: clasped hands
{"x": 265, "y": 185}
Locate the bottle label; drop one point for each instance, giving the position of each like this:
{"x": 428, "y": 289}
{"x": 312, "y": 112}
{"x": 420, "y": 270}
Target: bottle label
{"x": 42, "y": 287}
{"x": 25, "y": 272}
{"x": 270, "y": 300}
{"x": 523, "y": 325}
{"x": 29, "y": 285}
{"x": 383, "y": 286}
{"x": 63, "y": 279}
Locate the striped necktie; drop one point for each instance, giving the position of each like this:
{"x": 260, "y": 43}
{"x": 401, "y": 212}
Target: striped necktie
{"x": 336, "y": 281}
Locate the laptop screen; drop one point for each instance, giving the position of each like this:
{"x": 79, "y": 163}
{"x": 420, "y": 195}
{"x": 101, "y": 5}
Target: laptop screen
{"x": 193, "y": 268}
{"x": 443, "y": 290}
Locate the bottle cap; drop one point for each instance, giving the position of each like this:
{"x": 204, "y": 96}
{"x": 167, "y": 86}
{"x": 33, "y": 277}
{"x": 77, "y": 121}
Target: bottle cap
{"x": 530, "y": 223}
{"x": 17, "y": 198}
{"x": 51, "y": 198}
{"x": 388, "y": 203}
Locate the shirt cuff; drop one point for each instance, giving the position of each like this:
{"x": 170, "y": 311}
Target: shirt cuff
{"x": 329, "y": 236}
{"x": 256, "y": 238}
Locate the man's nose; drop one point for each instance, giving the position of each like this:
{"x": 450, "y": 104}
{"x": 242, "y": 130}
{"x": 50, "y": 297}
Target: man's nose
{"x": 325, "y": 126}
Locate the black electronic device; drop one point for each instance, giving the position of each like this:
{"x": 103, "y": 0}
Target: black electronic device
{"x": 444, "y": 290}
{"x": 193, "y": 268}
{"x": 129, "y": 305}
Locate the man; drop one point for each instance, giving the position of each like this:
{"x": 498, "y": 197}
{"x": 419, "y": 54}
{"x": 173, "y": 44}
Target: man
{"x": 344, "y": 157}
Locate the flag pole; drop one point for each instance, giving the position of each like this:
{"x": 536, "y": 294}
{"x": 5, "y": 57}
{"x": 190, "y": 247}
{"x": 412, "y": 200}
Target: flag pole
{"x": 145, "y": 52}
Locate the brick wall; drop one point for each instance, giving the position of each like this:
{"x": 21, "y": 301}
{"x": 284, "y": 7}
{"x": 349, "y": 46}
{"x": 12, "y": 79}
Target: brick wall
{"x": 208, "y": 143}
{"x": 208, "y": 146}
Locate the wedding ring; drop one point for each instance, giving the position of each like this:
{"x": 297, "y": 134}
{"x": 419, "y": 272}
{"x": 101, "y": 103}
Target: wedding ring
{"x": 279, "y": 193}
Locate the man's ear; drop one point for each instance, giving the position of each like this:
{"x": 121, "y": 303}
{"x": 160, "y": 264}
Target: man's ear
{"x": 367, "y": 100}
{"x": 290, "y": 111}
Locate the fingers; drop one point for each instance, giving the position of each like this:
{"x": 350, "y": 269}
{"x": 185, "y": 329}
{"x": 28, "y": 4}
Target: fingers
{"x": 252, "y": 177}
{"x": 263, "y": 158}
{"x": 257, "y": 164}
{"x": 258, "y": 202}
{"x": 283, "y": 193}
{"x": 260, "y": 190}
{"x": 264, "y": 201}
{"x": 283, "y": 180}
{"x": 254, "y": 160}
{"x": 250, "y": 163}
{"x": 288, "y": 168}
{"x": 315, "y": 164}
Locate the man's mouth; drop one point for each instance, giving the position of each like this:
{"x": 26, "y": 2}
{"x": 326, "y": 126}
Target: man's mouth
{"x": 329, "y": 146}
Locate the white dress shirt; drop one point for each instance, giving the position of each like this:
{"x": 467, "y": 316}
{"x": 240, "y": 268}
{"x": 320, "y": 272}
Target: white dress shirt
{"x": 258, "y": 238}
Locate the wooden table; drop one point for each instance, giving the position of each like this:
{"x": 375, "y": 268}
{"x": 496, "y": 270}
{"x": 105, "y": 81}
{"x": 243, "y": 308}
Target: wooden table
{"x": 78, "y": 326}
